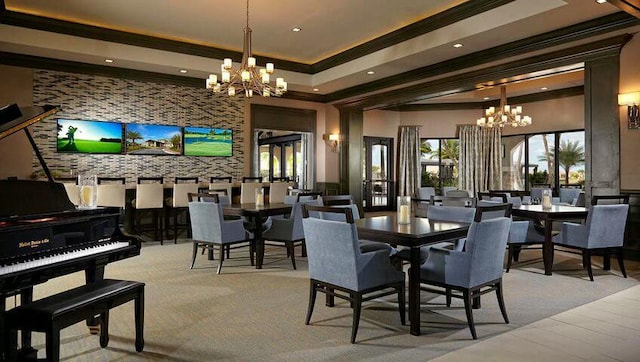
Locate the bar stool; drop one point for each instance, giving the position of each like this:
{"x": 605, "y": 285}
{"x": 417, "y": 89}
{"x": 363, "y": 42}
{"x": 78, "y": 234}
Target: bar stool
{"x": 223, "y": 187}
{"x": 179, "y": 203}
{"x": 149, "y": 197}
{"x": 111, "y": 192}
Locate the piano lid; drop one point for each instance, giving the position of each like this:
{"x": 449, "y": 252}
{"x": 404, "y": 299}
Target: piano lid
{"x": 14, "y": 118}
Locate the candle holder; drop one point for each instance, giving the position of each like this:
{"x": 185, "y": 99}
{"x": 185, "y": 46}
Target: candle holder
{"x": 546, "y": 199}
{"x": 404, "y": 209}
{"x": 88, "y": 191}
{"x": 260, "y": 196}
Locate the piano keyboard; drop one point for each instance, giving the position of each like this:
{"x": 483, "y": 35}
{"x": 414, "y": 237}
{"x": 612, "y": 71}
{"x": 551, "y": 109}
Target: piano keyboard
{"x": 52, "y": 259}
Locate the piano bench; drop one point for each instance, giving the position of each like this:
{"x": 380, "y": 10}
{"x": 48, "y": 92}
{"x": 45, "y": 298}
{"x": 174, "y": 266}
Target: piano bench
{"x": 53, "y": 313}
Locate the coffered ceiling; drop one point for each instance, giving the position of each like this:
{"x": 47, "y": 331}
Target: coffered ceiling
{"x": 403, "y": 42}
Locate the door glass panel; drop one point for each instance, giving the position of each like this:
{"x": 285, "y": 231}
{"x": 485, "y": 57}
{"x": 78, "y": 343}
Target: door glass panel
{"x": 449, "y": 153}
{"x": 264, "y": 161}
{"x": 276, "y": 159}
{"x": 379, "y": 174}
{"x": 541, "y": 166}
{"x": 289, "y": 156}
{"x": 571, "y": 158}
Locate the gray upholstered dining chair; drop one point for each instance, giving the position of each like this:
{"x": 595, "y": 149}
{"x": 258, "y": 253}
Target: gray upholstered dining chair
{"x": 472, "y": 272}
{"x": 289, "y": 231}
{"x": 423, "y": 200}
{"x": 209, "y": 229}
{"x": 603, "y": 232}
{"x": 338, "y": 268}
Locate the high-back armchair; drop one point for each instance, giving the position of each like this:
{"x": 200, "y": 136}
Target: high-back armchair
{"x": 603, "y": 232}
{"x": 473, "y": 271}
{"x": 209, "y": 229}
{"x": 338, "y": 268}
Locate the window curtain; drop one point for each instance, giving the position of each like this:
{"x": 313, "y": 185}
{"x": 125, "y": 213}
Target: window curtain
{"x": 408, "y": 160}
{"x": 480, "y": 167}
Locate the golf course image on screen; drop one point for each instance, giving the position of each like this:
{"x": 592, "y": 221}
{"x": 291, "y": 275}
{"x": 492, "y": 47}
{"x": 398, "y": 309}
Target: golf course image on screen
{"x": 202, "y": 141}
{"x": 86, "y": 136}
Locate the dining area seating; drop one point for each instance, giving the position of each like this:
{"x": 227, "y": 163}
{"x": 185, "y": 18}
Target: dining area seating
{"x": 338, "y": 269}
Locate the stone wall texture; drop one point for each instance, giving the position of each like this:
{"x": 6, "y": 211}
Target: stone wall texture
{"x": 127, "y": 101}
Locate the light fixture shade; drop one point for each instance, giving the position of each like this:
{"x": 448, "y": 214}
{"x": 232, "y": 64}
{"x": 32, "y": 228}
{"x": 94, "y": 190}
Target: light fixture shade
{"x": 629, "y": 99}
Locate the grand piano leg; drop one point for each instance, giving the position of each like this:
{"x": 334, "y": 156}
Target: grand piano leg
{"x": 92, "y": 275}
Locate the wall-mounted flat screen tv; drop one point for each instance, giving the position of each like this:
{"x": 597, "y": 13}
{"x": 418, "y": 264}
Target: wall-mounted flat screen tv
{"x": 86, "y": 136}
{"x": 205, "y": 141}
{"x": 153, "y": 139}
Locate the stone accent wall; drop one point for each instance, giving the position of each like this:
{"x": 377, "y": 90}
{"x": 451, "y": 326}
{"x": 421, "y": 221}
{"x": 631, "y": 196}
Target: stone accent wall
{"x": 127, "y": 101}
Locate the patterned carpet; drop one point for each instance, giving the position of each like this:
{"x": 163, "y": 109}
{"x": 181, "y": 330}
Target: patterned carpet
{"x": 246, "y": 314}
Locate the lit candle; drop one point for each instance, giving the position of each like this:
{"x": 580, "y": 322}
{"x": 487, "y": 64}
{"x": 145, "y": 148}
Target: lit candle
{"x": 251, "y": 62}
{"x": 404, "y": 214}
{"x": 245, "y": 75}
{"x": 269, "y": 67}
{"x": 232, "y": 91}
{"x": 227, "y": 63}
{"x": 519, "y": 109}
{"x": 507, "y": 108}
{"x": 266, "y": 93}
{"x": 265, "y": 77}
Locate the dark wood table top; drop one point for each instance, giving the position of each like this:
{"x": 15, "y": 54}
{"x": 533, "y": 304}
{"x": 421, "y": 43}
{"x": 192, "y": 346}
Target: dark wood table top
{"x": 418, "y": 232}
{"x": 276, "y": 208}
{"x": 555, "y": 212}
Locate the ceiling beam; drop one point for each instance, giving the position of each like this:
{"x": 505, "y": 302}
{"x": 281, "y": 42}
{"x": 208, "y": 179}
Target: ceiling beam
{"x": 629, "y": 6}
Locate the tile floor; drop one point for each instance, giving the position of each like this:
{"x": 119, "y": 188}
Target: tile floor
{"x": 605, "y": 330}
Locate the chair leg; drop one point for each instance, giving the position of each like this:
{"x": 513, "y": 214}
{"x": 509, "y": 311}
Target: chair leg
{"x": 401, "y": 304}
{"x": 357, "y": 307}
{"x": 291, "y": 252}
{"x": 466, "y": 294}
{"x": 586, "y": 255}
{"x": 194, "y": 253}
{"x": 503, "y": 310}
{"x": 620, "y": 256}
{"x": 221, "y": 258}
{"x": 509, "y": 257}
{"x": 175, "y": 226}
{"x": 312, "y": 301}
{"x": 330, "y": 299}
{"x": 304, "y": 249}
{"x": 448, "y": 296}
{"x": 251, "y": 252}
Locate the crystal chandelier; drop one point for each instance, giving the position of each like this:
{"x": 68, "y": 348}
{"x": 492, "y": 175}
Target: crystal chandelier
{"x": 503, "y": 115}
{"x": 247, "y": 79}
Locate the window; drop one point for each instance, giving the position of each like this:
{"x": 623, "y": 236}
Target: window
{"x": 439, "y": 162}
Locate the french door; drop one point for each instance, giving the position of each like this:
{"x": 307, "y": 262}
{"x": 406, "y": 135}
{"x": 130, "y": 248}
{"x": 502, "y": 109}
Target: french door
{"x": 378, "y": 174}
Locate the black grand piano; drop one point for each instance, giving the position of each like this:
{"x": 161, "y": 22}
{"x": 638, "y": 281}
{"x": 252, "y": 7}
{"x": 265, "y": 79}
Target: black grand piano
{"x": 43, "y": 235}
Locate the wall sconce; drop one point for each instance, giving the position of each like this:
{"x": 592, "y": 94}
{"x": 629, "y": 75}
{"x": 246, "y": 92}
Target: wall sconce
{"x": 332, "y": 141}
{"x": 631, "y": 100}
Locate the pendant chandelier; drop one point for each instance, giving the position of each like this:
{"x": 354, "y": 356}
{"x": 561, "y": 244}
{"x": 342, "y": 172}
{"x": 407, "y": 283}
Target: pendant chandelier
{"x": 247, "y": 79}
{"x": 503, "y": 115}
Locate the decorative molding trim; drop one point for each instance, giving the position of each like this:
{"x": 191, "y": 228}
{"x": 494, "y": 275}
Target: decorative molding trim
{"x": 467, "y": 81}
{"x": 599, "y": 26}
{"x": 447, "y": 17}
{"x": 457, "y": 13}
{"x": 536, "y": 97}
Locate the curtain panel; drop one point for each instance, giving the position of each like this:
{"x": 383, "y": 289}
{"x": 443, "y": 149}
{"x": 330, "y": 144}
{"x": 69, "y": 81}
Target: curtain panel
{"x": 480, "y": 167}
{"x": 408, "y": 160}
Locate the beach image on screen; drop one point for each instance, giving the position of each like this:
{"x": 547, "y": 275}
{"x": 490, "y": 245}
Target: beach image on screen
{"x": 202, "y": 141}
{"x": 84, "y": 136}
{"x": 151, "y": 139}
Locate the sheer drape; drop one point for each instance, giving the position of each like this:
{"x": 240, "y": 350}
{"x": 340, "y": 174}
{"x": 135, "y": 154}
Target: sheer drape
{"x": 408, "y": 160}
{"x": 480, "y": 165}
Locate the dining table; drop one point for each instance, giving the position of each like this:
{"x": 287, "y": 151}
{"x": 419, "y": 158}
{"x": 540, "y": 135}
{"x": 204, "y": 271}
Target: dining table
{"x": 413, "y": 235}
{"x": 547, "y": 215}
{"x": 257, "y": 213}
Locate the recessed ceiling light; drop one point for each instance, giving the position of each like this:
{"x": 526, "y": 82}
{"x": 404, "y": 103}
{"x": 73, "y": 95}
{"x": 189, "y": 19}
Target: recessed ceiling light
{"x": 601, "y": 1}
{"x": 544, "y": 88}
{"x": 315, "y": 89}
{"x": 108, "y": 60}
{"x": 457, "y": 45}
{"x": 296, "y": 29}
{"x": 183, "y": 71}
{"x": 486, "y": 98}
{"x": 371, "y": 72}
